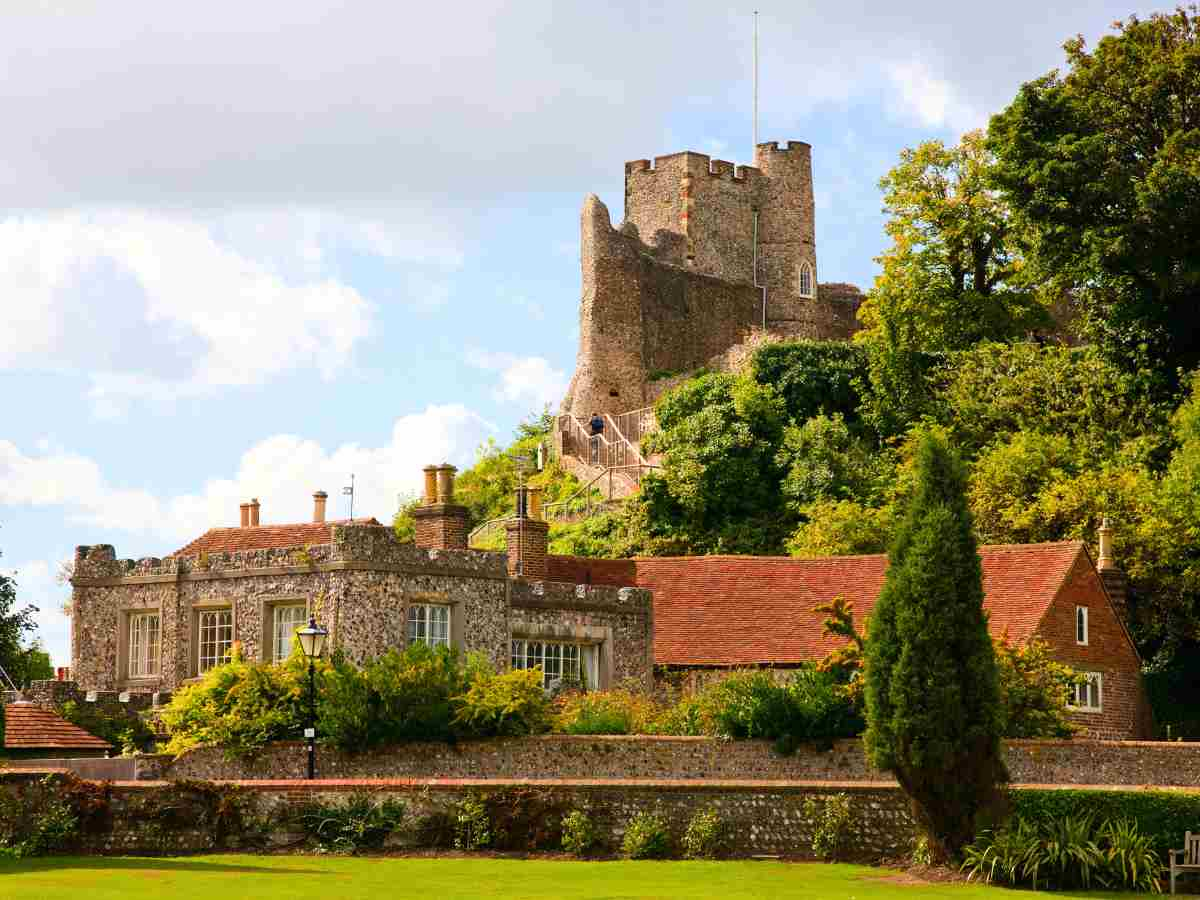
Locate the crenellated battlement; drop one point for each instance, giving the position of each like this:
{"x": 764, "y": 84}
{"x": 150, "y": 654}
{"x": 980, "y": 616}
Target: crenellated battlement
{"x": 689, "y": 162}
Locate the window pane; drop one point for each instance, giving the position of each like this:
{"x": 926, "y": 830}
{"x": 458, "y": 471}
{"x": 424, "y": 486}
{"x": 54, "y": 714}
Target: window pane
{"x": 429, "y": 624}
{"x": 518, "y": 654}
{"x": 288, "y": 619}
{"x": 216, "y": 637}
{"x": 143, "y": 645}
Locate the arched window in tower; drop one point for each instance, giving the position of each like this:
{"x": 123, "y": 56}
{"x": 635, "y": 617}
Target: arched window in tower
{"x": 806, "y": 279}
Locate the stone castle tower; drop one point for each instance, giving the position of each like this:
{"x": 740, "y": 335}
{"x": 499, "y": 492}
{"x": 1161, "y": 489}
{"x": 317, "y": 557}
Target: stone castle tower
{"x": 708, "y": 253}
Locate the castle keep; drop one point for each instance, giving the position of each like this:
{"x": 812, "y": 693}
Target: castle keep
{"x": 708, "y": 253}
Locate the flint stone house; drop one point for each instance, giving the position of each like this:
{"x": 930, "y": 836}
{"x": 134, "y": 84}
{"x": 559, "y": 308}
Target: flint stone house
{"x": 713, "y": 613}
{"x": 154, "y": 624}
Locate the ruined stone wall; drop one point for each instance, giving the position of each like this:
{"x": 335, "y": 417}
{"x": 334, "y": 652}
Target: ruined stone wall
{"x": 639, "y": 316}
{"x": 672, "y": 289}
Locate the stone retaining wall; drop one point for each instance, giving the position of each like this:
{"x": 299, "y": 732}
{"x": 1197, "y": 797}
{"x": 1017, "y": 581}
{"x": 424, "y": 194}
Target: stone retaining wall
{"x": 1082, "y": 762}
{"x": 759, "y": 818}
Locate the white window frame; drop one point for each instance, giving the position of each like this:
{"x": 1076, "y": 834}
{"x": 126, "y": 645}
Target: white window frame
{"x": 145, "y": 645}
{"x": 1082, "y": 625}
{"x": 806, "y": 269}
{"x": 276, "y": 640}
{"x": 558, "y": 660}
{"x": 220, "y": 627}
{"x": 1087, "y": 694}
{"x": 430, "y": 624}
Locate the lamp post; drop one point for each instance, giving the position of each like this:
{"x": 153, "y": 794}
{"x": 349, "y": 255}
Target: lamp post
{"x": 312, "y": 642}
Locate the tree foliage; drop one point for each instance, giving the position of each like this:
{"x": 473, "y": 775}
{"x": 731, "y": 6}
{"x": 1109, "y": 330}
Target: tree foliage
{"x": 933, "y": 701}
{"x": 951, "y": 276}
{"x": 22, "y": 661}
{"x": 1101, "y": 164}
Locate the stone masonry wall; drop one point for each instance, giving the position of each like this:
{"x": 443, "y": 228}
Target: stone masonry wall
{"x": 360, "y": 587}
{"x": 1080, "y": 762}
{"x": 758, "y": 818}
{"x": 619, "y": 620}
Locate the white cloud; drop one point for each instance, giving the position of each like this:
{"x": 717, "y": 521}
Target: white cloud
{"x": 932, "y": 100}
{"x": 156, "y": 307}
{"x": 281, "y": 471}
{"x": 528, "y": 380}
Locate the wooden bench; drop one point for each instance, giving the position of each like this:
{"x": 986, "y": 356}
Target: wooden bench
{"x": 1188, "y": 858}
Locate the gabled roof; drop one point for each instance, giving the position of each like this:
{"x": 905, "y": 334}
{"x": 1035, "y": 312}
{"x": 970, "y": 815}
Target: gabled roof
{"x": 28, "y": 726}
{"x": 266, "y": 537}
{"x": 743, "y": 610}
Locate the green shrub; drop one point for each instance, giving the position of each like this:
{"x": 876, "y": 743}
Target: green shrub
{"x": 807, "y": 707}
{"x": 830, "y": 818}
{"x": 704, "y": 836}
{"x": 688, "y": 717}
{"x": 397, "y": 697}
{"x": 1161, "y": 816}
{"x": 239, "y": 706}
{"x": 606, "y": 712}
{"x": 35, "y": 823}
{"x": 356, "y": 824}
{"x": 646, "y": 837}
{"x": 1064, "y": 853}
{"x": 472, "y": 826}
{"x": 513, "y": 703}
{"x": 578, "y": 832}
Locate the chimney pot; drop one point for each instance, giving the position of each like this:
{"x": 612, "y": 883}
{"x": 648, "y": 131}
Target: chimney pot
{"x": 1106, "y": 560}
{"x": 431, "y": 485}
{"x": 245, "y": 508}
{"x": 254, "y": 505}
{"x": 319, "y": 499}
{"x": 445, "y": 483}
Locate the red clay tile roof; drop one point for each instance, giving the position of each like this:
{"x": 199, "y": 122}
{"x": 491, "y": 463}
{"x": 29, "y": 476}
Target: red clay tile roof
{"x": 31, "y": 727}
{"x": 741, "y": 610}
{"x": 266, "y": 537}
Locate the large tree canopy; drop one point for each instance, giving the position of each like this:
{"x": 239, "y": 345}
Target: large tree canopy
{"x": 1102, "y": 166}
{"x": 21, "y": 662}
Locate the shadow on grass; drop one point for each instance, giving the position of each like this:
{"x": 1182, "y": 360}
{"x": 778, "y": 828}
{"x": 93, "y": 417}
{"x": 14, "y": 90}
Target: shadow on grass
{"x": 148, "y": 863}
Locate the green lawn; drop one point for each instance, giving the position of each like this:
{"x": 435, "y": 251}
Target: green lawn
{"x": 232, "y": 877}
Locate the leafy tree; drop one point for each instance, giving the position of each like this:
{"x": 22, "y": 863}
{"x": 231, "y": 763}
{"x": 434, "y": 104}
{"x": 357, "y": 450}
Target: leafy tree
{"x": 403, "y": 523}
{"x": 825, "y": 460}
{"x": 1102, "y": 164}
{"x": 950, "y": 278}
{"x": 841, "y": 528}
{"x": 1034, "y": 690}
{"x": 718, "y": 488}
{"x": 812, "y": 377}
{"x": 933, "y": 702}
{"x": 22, "y": 663}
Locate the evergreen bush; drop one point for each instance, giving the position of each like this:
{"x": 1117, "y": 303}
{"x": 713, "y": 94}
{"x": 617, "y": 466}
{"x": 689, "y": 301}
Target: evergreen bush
{"x": 578, "y": 832}
{"x": 932, "y": 695}
{"x": 704, "y": 836}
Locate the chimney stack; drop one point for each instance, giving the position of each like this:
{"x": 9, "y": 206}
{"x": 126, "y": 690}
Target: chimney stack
{"x": 245, "y": 508}
{"x": 254, "y": 504}
{"x": 1115, "y": 583}
{"x": 440, "y": 523}
{"x": 528, "y": 536}
{"x": 319, "y": 499}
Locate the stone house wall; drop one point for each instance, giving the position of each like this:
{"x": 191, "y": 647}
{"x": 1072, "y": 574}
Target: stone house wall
{"x": 360, "y": 587}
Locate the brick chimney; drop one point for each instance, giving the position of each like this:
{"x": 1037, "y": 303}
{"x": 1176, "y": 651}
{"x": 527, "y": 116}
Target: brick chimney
{"x": 254, "y": 506}
{"x": 1115, "y": 582}
{"x": 440, "y": 523}
{"x": 319, "y": 499}
{"x": 245, "y": 508}
{"x": 528, "y": 537}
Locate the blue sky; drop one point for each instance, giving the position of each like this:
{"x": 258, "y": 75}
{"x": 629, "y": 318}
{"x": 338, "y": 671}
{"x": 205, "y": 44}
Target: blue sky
{"x": 248, "y": 249}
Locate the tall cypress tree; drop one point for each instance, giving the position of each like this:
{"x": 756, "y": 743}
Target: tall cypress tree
{"x": 933, "y": 704}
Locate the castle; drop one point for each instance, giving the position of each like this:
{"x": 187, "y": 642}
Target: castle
{"x": 708, "y": 254}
